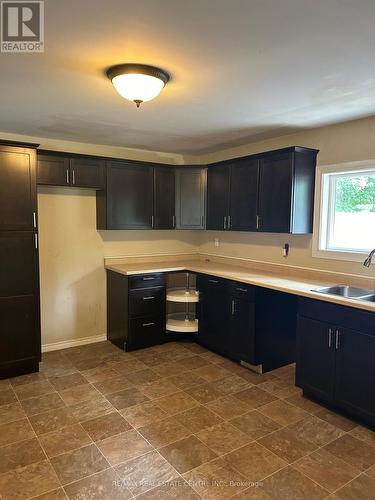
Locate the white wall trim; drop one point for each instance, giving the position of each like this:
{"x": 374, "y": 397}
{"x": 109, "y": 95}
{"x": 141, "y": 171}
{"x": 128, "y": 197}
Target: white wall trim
{"x": 64, "y": 344}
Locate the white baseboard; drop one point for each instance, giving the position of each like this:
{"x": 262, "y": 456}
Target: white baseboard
{"x": 64, "y": 344}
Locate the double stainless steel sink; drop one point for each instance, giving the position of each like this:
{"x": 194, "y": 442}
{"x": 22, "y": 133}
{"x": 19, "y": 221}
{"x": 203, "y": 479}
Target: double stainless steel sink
{"x": 349, "y": 292}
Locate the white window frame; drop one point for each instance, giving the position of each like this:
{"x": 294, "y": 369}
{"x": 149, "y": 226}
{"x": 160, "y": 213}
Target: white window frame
{"x": 323, "y": 213}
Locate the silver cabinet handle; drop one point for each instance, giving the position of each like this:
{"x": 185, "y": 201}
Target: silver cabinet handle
{"x": 241, "y": 289}
{"x": 148, "y": 324}
{"x": 258, "y": 221}
{"x": 36, "y": 240}
{"x": 233, "y": 307}
{"x": 152, "y": 221}
{"x": 225, "y": 222}
{"x": 173, "y": 221}
{"x": 229, "y": 221}
{"x": 73, "y": 177}
{"x": 67, "y": 176}
{"x": 213, "y": 281}
{"x": 34, "y": 219}
{"x": 148, "y": 278}
{"x": 148, "y": 298}
{"x": 337, "y": 340}
{"x": 329, "y": 338}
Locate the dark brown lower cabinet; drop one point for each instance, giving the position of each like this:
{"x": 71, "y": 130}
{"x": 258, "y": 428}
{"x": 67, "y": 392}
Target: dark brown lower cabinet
{"x": 20, "y": 335}
{"x": 136, "y": 311}
{"x": 335, "y": 357}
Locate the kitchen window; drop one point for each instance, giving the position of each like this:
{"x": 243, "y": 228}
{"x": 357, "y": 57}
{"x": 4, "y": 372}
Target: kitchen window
{"x": 344, "y": 226}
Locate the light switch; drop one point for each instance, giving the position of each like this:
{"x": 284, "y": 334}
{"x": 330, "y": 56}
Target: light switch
{"x": 217, "y": 242}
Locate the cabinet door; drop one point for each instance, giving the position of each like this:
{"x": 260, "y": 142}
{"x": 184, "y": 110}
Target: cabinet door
{"x": 241, "y": 338}
{"x": 214, "y": 311}
{"x": 164, "y": 198}
{"x": 17, "y": 188}
{"x": 18, "y": 263}
{"x": 275, "y": 193}
{"x": 244, "y": 181}
{"x": 53, "y": 170}
{"x": 218, "y": 180}
{"x": 129, "y": 196}
{"x": 19, "y": 327}
{"x": 315, "y": 367}
{"x": 190, "y": 198}
{"x": 355, "y": 373}
{"x": 87, "y": 173}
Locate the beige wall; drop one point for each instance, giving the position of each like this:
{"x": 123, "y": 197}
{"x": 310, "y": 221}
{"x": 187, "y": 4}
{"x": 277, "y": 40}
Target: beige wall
{"x": 351, "y": 141}
{"x": 72, "y": 255}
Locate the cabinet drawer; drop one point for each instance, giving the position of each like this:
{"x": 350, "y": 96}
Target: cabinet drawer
{"x": 206, "y": 282}
{"x": 146, "y": 302}
{"x": 146, "y": 332}
{"x": 242, "y": 290}
{"x": 146, "y": 280}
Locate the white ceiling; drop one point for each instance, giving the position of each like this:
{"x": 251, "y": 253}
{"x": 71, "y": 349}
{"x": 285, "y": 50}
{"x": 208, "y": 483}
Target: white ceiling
{"x": 241, "y": 70}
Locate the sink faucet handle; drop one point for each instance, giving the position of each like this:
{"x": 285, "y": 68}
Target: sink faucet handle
{"x": 368, "y": 260}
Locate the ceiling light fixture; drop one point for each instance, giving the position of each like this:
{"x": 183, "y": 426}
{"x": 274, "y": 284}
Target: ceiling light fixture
{"x": 138, "y": 82}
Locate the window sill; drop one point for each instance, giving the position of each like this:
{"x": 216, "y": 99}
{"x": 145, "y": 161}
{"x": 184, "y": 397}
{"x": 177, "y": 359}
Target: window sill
{"x": 338, "y": 255}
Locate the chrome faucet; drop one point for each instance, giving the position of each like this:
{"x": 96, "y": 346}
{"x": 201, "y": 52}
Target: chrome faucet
{"x": 367, "y": 262}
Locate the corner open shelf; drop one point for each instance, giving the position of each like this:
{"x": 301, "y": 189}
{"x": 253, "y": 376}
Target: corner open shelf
{"x": 183, "y": 323}
{"x": 182, "y": 298}
{"x": 182, "y": 295}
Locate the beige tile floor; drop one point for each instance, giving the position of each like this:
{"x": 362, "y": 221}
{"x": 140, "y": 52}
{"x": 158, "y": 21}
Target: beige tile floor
{"x": 174, "y": 421}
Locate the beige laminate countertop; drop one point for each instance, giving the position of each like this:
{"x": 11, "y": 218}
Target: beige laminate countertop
{"x": 244, "y": 275}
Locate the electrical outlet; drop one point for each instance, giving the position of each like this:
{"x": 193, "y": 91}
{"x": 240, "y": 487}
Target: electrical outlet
{"x": 217, "y": 242}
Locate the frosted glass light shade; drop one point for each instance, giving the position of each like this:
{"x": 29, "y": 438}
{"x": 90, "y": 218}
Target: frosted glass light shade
{"x": 138, "y": 82}
{"x": 138, "y": 87}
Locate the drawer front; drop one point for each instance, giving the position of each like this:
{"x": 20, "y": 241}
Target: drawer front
{"x": 146, "y": 332}
{"x": 146, "y": 302}
{"x": 242, "y": 290}
{"x": 146, "y": 280}
{"x": 212, "y": 283}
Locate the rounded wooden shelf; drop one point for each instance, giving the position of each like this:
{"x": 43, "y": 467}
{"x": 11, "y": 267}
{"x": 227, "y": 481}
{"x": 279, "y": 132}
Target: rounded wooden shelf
{"x": 177, "y": 322}
{"x": 182, "y": 295}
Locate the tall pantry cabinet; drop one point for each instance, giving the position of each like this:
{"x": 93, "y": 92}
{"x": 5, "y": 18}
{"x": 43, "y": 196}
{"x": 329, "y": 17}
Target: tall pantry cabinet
{"x": 20, "y": 349}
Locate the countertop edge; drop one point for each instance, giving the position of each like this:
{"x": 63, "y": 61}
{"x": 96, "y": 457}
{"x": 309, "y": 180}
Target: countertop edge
{"x": 261, "y": 282}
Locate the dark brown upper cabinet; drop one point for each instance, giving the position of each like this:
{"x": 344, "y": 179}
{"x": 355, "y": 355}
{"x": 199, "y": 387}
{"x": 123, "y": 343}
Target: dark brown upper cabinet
{"x": 286, "y": 191}
{"x": 17, "y": 189}
{"x": 270, "y": 192}
{"x": 127, "y": 202}
{"x": 61, "y": 170}
{"x": 232, "y": 195}
{"x": 190, "y": 198}
{"x": 87, "y": 172}
{"x": 53, "y": 170}
{"x": 218, "y": 184}
{"x": 164, "y": 198}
